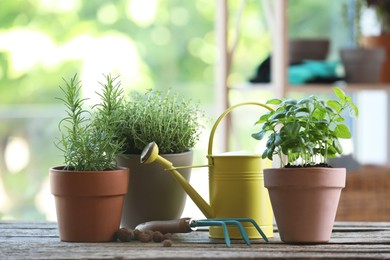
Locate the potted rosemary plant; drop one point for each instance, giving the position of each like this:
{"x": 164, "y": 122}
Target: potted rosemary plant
{"x": 305, "y": 191}
{"x": 89, "y": 188}
{"x": 174, "y": 123}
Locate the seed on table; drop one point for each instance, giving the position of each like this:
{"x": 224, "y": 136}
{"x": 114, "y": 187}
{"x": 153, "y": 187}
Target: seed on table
{"x": 168, "y": 236}
{"x": 124, "y": 235}
{"x": 167, "y": 243}
{"x": 158, "y": 236}
{"x": 144, "y": 237}
{"x": 136, "y": 233}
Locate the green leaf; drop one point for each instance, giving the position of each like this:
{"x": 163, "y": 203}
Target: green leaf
{"x": 321, "y": 125}
{"x": 274, "y": 101}
{"x": 337, "y": 146}
{"x": 278, "y": 140}
{"x": 331, "y": 151}
{"x": 302, "y": 110}
{"x": 342, "y": 131}
{"x": 353, "y": 110}
{"x": 264, "y": 154}
{"x": 339, "y": 119}
{"x": 304, "y": 101}
{"x": 296, "y": 149}
{"x": 339, "y": 93}
{"x": 291, "y": 129}
{"x": 290, "y": 102}
{"x": 270, "y": 140}
{"x": 285, "y": 149}
{"x": 319, "y": 113}
{"x": 263, "y": 119}
{"x": 278, "y": 115}
{"x": 267, "y": 126}
{"x": 309, "y": 146}
{"x": 268, "y": 153}
{"x": 293, "y": 157}
{"x": 335, "y": 105}
{"x": 259, "y": 135}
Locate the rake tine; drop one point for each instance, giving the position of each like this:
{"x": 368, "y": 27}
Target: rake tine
{"x": 206, "y": 222}
{"x": 258, "y": 228}
{"x": 240, "y": 227}
{"x": 248, "y": 220}
{"x": 225, "y": 234}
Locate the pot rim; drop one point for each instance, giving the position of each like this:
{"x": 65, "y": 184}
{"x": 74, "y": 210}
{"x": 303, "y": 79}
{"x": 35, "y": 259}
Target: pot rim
{"x": 303, "y": 168}
{"x": 126, "y": 156}
{"x": 88, "y": 183}
{"x": 308, "y": 177}
{"x": 60, "y": 169}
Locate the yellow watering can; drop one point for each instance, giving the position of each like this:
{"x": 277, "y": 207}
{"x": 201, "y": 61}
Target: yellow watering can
{"x": 236, "y": 186}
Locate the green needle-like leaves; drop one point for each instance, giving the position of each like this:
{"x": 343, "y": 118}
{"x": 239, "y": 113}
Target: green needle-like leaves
{"x": 87, "y": 140}
{"x": 171, "y": 121}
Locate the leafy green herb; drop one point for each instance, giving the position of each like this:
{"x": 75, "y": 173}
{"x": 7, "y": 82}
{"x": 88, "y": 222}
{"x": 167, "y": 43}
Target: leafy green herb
{"x": 171, "y": 121}
{"x": 87, "y": 142}
{"x": 306, "y": 131}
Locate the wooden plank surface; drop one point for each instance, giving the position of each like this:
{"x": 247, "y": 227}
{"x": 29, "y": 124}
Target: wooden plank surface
{"x": 25, "y": 240}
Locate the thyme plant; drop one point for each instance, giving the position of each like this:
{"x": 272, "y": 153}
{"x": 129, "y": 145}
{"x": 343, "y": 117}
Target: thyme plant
{"x": 87, "y": 140}
{"x": 171, "y": 121}
{"x": 307, "y": 131}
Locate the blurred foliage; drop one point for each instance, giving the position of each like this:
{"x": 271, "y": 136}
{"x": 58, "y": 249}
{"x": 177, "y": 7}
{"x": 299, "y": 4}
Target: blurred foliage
{"x": 173, "y": 41}
{"x": 319, "y": 19}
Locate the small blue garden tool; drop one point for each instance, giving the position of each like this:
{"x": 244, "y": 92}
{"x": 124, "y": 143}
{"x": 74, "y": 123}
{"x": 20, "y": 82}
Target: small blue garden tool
{"x": 185, "y": 225}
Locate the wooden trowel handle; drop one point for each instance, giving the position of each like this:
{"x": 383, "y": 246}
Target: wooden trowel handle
{"x": 167, "y": 226}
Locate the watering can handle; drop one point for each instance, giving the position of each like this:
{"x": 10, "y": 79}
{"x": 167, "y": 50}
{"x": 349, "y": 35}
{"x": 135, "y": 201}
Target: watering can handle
{"x": 227, "y": 111}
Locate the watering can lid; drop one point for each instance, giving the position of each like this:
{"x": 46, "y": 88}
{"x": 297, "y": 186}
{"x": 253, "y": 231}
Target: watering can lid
{"x": 237, "y": 153}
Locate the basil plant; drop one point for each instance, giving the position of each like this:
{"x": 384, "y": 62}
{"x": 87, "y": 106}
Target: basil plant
{"x": 306, "y": 132}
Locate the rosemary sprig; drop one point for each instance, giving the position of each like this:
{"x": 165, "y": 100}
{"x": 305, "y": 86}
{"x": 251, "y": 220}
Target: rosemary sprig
{"x": 87, "y": 140}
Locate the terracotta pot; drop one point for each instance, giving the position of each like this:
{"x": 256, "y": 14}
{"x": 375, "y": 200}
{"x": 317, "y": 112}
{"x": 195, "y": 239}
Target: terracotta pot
{"x": 304, "y": 201}
{"x": 381, "y": 41}
{"x": 88, "y": 203}
{"x": 153, "y": 193}
{"x": 307, "y": 49}
{"x": 362, "y": 65}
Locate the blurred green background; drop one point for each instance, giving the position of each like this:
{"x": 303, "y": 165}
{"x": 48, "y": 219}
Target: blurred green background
{"x": 148, "y": 43}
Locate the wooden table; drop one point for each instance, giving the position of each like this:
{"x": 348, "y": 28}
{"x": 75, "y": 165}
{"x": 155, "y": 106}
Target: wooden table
{"x": 40, "y": 240}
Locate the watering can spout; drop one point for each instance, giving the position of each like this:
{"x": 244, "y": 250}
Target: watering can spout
{"x": 150, "y": 154}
